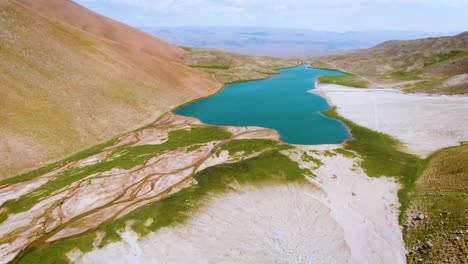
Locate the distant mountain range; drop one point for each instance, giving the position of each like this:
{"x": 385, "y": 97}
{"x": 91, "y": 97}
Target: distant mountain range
{"x": 280, "y": 42}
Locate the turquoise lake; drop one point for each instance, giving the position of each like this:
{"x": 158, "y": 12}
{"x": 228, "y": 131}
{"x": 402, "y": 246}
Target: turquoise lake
{"x": 281, "y": 102}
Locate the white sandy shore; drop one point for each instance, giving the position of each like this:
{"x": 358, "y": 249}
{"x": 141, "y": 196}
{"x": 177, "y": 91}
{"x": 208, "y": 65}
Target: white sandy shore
{"x": 423, "y": 123}
{"x": 349, "y": 218}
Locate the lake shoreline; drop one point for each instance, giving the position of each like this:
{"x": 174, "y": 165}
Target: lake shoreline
{"x": 332, "y": 215}
{"x": 277, "y": 103}
{"x": 224, "y": 85}
{"x": 397, "y": 110}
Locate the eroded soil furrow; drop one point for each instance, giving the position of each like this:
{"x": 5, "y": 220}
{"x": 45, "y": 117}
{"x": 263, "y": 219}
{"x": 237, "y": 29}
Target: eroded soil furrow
{"x": 84, "y": 205}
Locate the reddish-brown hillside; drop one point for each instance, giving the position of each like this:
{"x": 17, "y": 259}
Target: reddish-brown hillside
{"x": 69, "y": 12}
{"x": 71, "y": 78}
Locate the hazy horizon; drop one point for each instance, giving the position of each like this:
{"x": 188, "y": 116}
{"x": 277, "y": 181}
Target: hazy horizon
{"x": 429, "y": 16}
{"x": 449, "y": 33}
{"x": 279, "y": 42}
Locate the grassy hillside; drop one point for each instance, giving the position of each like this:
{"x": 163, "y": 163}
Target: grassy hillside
{"x": 70, "y": 79}
{"x": 72, "y": 14}
{"x": 347, "y": 80}
{"x": 441, "y": 197}
{"x": 231, "y": 67}
{"x": 434, "y": 65}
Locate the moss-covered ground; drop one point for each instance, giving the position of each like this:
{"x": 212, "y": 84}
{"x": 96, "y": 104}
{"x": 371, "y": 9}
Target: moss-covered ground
{"x": 350, "y": 80}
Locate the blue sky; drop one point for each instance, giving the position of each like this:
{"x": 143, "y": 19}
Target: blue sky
{"x": 323, "y": 15}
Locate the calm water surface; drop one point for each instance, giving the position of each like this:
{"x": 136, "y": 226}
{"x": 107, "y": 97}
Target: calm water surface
{"x": 281, "y": 102}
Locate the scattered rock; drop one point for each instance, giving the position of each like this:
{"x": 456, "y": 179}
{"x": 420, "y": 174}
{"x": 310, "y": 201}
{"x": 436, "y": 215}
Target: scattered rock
{"x": 421, "y": 249}
{"x": 428, "y": 244}
{"x": 457, "y": 238}
{"x": 420, "y": 216}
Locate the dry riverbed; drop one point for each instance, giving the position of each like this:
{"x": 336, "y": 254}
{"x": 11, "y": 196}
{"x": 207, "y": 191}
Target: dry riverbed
{"x": 338, "y": 216}
{"x": 140, "y": 168}
{"x": 179, "y": 182}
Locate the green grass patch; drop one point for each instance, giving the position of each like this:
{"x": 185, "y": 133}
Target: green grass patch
{"x": 436, "y": 85}
{"x": 413, "y": 75}
{"x": 56, "y": 252}
{"x": 248, "y": 146}
{"x": 440, "y": 195}
{"x": 404, "y": 76}
{"x": 381, "y": 157}
{"x": 328, "y": 153}
{"x": 194, "y": 147}
{"x": 123, "y": 157}
{"x": 307, "y": 158}
{"x": 453, "y": 54}
{"x": 213, "y": 67}
{"x": 346, "y": 80}
{"x": 270, "y": 167}
{"x": 186, "y": 48}
{"x": 346, "y": 153}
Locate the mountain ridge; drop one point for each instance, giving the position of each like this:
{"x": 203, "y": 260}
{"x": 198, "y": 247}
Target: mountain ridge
{"x": 103, "y": 27}
{"x": 65, "y": 87}
{"x": 433, "y": 65}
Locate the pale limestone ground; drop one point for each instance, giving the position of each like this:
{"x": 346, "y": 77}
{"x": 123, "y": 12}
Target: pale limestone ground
{"x": 349, "y": 218}
{"x": 103, "y": 196}
{"x": 423, "y": 123}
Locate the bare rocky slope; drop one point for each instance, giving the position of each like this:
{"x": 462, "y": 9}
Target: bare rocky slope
{"x": 434, "y": 65}
{"x": 71, "y": 78}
